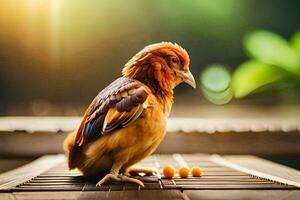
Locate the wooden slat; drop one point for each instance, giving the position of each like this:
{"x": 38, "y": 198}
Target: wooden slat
{"x": 46, "y": 195}
{"x": 7, "y": 164}
{"x": 203, "y": 125}
{"x": 243, "y": 194}
{"x": 190, "y": 194}
{"x": 28, "y": 171}
{"x": 59, "y": 178}
{"x": 267, "y": 136}
{"x": 264, "y": 168}
{"x": 224, "y": 143}
{"x": 7, "y": 196}
{"x": 264, "y": 143}
{"x": 147, "y": 195}
{"x": 223, "y": 125}
{"x": 58, "y": 183}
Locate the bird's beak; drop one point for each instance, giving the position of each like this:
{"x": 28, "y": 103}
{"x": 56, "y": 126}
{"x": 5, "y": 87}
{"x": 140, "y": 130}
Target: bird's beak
{"x": 189, "y": 79}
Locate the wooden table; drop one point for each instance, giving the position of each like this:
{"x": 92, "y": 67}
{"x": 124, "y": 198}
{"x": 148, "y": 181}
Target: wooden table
{"x": 229, "y": 176}
{"x": 224, "y": 177}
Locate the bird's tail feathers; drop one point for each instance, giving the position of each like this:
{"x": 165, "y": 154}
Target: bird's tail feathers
{"x": 72, "y": 150}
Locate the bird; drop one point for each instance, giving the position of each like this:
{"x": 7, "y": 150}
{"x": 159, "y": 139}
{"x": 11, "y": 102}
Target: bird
{"x": 126, "y": 121}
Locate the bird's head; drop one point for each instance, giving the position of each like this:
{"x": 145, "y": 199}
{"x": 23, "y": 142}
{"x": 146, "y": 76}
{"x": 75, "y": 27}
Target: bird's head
{"x": 161, "y": 66}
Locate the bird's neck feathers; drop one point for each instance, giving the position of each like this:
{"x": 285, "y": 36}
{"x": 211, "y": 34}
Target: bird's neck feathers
{"x": 155, "y": 73}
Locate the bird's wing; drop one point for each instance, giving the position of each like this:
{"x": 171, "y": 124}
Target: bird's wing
{"x": 116, "y": 106}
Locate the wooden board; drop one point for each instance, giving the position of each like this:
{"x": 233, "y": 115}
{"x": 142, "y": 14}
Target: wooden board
{"x": 243, "y": 194}
{"x": 224, "y": 177}
{"x": 203, "y": 125}
{"x": 145, "y": 195}
{"x": 258, "y": 166}
{"x": 277, "y": 143}
{"x": 28, "y": 171}
{"x": 248, "y": 135}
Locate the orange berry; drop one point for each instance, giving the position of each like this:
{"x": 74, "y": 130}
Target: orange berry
{"x": 183, "y": 172}
{"x": 196, "y": 171}
{"x": 169, "y": 171}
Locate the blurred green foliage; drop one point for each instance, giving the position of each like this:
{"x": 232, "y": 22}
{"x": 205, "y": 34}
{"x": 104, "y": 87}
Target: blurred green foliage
{"x": 296, "y": 42}
{"x": 271, "y": 48}
{"x": 55, "y": 56}
{"x": 216, "y": 87}
{"x": 273, "y": 59}
{"x": 253, "y": 74}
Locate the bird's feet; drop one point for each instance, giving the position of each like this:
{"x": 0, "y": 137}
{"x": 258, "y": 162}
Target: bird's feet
{"x": 108, "y": 177}
{"x": 136, "y": 170}
{"x": 119, "y": 178}
{"x": 128, "y": 179}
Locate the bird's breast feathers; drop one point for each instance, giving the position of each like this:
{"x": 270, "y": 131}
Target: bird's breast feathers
{"x": 139, "y": 139}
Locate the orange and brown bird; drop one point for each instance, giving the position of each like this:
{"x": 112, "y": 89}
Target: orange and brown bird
{"x": 127, "y": 120}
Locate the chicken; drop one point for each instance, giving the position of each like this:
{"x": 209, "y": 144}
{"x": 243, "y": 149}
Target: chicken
{"x": 127, "y": 120}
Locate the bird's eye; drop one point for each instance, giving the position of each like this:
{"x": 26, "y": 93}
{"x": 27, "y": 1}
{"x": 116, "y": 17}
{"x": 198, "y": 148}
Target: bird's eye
{"x": 174, "y": 60}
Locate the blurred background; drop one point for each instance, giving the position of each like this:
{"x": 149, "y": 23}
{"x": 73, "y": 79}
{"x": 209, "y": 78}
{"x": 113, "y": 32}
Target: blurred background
{"x": 56, "y": 55}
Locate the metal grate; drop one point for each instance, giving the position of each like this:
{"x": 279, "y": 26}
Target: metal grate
{"x": 215, "y": 177}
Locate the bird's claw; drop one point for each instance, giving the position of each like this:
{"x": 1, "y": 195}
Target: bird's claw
{"x": 108, "y": 177}
{"x": 119, "y": 178}
{"x": 128, "y": 179}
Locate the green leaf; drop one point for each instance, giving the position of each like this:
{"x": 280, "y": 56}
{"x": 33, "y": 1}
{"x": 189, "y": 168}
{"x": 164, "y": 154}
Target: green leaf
{"x": 253, "y": 74}
{"x": 296, "y": 42}
{"x": 271, "y": 48}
